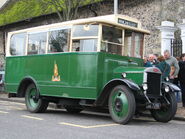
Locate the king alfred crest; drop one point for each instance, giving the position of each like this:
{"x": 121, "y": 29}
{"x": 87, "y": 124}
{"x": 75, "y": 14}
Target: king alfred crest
{"x": 56, "y": 76}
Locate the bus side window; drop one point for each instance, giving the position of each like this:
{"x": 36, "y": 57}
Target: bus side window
{"x": 133, "y": 44}
{"x": 85, "y": 45}
{"x": 17, "y": 44}
{"x": 85, "y": 38}
{"x": 111, "y": 40}
{"x": 37, "y": 43}
{"x": 58, "y": 40}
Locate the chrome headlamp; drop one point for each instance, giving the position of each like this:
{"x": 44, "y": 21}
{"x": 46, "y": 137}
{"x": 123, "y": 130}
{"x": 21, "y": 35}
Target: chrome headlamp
{"x": 167, "y": 88}
{"x": 124, "y": 75}
{"x": 145, "y": 86}
{"x": 167, "y": 79}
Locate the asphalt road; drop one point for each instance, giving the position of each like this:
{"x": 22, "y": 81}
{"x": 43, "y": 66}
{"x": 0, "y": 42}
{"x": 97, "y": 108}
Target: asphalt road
{"x": 17, "y": 123}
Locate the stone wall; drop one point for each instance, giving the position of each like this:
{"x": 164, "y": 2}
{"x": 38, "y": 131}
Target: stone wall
{"x": 151, "y": 13}
{"x": 1, "y": 50}
{"x": 147, "y": 11}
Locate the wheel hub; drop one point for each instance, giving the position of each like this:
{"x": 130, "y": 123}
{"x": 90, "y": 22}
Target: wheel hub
{"x": 34, "y": 98}
{"x": 118, "y": 105}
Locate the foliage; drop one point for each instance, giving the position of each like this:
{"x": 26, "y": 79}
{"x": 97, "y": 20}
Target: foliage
{"x": 24, "y": 9}
{"x": 69, "y": 8}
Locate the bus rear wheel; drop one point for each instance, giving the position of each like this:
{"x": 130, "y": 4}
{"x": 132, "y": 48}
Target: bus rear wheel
{"x": 122, "y": 104}
{"x": 33, "y": 103}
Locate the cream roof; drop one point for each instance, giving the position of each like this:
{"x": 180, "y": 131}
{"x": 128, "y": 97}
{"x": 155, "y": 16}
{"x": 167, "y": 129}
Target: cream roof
{"x": 107, "y": 19}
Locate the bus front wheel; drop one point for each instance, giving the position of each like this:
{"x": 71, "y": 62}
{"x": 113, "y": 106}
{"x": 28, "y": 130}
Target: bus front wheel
{"x": 33, "y": 103}
{"x": 122, "y": 104}
{"x": 167, "y": 111}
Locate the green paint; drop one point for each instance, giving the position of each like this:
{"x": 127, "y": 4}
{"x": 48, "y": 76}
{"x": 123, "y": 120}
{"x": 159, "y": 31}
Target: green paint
{"x": 82, "y": 74}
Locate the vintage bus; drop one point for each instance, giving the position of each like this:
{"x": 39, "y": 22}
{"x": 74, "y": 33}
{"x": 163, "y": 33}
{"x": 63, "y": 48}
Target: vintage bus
{"x": 92, "y": 62}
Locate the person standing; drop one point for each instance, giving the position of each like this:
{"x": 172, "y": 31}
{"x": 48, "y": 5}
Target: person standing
{"x": 172, "y": 61}
{"x": 181, "y": 77}
{"x": 152, "y": 60}
{"x": 163, "y": 66}
{"x": 146, "y": 62}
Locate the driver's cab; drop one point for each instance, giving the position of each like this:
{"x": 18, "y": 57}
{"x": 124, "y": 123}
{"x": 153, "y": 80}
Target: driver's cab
{"x": 113, "y": 34}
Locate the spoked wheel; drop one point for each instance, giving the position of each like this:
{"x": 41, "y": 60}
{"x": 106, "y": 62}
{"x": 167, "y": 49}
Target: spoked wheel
{"x": 167, "y": 111}
{"x": 33, "y": 103}
{"x": 122, "y": 104}
{"x": 72, "y": 109}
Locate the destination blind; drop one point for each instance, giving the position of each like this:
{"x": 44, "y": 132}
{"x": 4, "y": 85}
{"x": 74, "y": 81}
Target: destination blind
{"x": 128, "y": 23}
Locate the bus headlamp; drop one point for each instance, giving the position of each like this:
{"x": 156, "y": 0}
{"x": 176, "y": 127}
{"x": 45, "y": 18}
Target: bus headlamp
{"x": 167, "y": 89}
{"x": 167, "y": 79}
{"x": 124, "y": 75}
{"x": 145, "y": 86}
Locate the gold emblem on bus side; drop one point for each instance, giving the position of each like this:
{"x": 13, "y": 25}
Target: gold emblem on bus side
{"x": 55, "y": 77}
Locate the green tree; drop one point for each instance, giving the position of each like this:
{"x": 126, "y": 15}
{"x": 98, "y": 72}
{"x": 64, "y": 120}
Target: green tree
{"x": 25, "y": 9}
{"x": 67, "y": 9}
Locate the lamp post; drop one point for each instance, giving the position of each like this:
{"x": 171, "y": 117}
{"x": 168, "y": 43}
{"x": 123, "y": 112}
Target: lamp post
{"x": 115, "y": 6}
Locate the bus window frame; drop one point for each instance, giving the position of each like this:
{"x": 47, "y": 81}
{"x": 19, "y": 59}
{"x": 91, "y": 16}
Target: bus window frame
{"x": 60, "y": 28}
{"x": 117, "y": 27}
{"x": 36, "y": 32}
{"x": 86, "y": 37}
{"x": 133, "y": 45}
{"x": 9, "y": 43}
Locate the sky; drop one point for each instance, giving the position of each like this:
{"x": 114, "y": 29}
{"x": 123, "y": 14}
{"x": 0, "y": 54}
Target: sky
{"x": 2, "y": 2}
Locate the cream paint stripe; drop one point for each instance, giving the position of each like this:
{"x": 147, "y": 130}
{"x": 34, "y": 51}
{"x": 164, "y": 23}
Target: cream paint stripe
{"x": 81, "y": 126}
{"x": 3, "y": 112}
{"x": 31, "y": 117}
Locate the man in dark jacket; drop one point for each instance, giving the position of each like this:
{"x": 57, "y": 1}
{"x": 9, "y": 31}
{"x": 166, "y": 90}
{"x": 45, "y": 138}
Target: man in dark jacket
{"x": 181, "y": 77}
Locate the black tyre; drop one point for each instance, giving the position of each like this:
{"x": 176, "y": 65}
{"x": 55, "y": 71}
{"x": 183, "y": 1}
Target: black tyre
{"x": 72, "y": 109}
{"x": 167, "y": 112}
{"x": 121, "y": 104}
{"x": 32, "y": 103}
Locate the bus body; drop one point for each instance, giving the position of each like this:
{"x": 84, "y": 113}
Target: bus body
{"x": 93, "y": 62}
{"x": 80, "y": 75}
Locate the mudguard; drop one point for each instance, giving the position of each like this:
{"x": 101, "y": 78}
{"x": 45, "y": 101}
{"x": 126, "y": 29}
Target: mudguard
{"x": 173, "y": 87}
{"x": 109, "y": 86}
{"x": 23, "y": 85}
{"x": 131, "y": 84}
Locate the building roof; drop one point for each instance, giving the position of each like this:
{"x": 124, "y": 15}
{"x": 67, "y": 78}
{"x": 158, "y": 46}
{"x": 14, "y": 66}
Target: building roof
{"x": 3, "y": 3}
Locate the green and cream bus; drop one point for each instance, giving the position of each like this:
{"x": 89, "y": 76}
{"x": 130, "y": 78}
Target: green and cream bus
{"x": 92, "y": 62}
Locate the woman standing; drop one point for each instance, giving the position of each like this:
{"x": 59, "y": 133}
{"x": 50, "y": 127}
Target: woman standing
{"x": 181, "y": 77}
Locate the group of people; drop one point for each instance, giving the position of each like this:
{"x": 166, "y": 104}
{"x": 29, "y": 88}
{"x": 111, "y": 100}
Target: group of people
{"x": 170, "y": 67}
